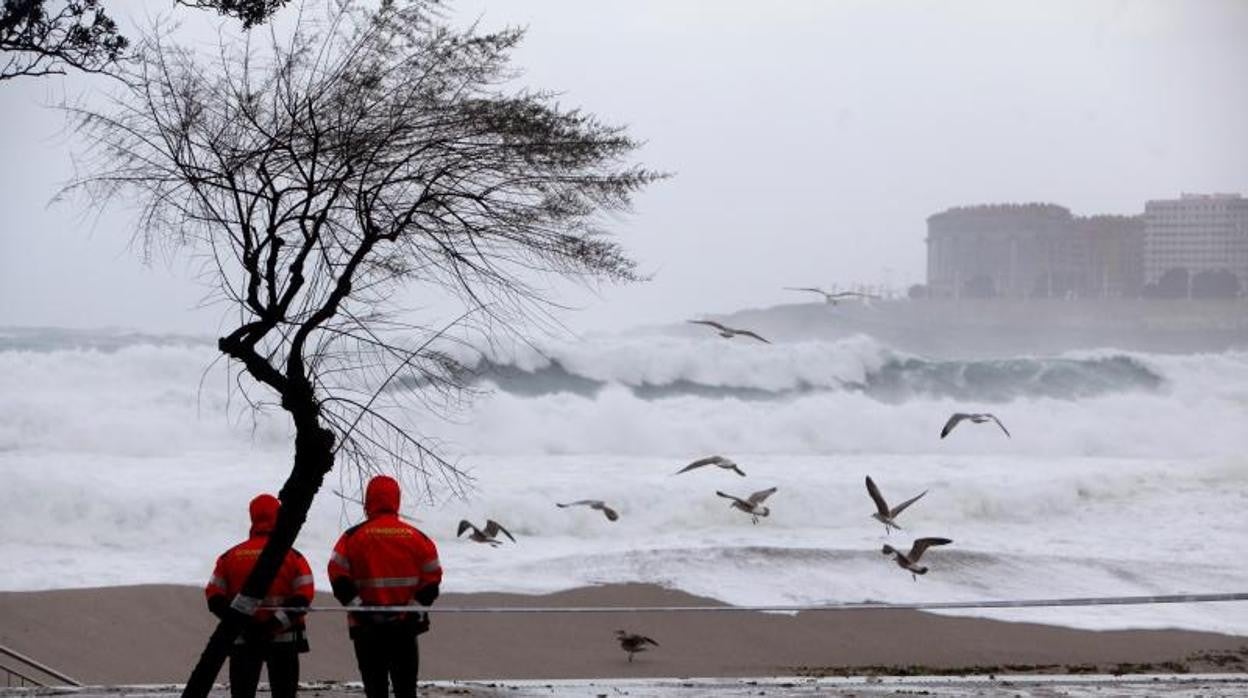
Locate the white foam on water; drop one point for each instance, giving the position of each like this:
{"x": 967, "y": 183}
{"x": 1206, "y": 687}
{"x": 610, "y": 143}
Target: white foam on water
{"x": 118, "y": 468}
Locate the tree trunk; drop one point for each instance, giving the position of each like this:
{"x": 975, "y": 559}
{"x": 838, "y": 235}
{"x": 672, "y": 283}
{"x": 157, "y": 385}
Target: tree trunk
{"x": 314, "y": 458}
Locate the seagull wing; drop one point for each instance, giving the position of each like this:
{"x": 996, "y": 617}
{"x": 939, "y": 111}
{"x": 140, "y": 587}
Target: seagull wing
{"x": 492, "y": 528}
{"x": 736, "y": 470}
{"x": 953, "y": 422}
{"x": 578, "y": 503}
{"x": 709, "y": 460}
{"x": 921, "y": 544}
{"x": 853, "y": 294}
{"x": 650, "y": 640}
{"x": 902, "y": 507}
{"x": 880, "y": 505}
{"x": 748, "y": 333}
{"x": 464, "y": 526}
{"x": 709, "y": 323}
{"x": 740, "y": 501}
{"x": 759, "y": 496}
{"x": 993, "y": 418}
{"x": 805, "y": 288}
{"x": 611, "y": 514}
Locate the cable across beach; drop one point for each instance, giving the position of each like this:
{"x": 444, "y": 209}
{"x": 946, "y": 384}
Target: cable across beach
{"x": 807, "y": 608}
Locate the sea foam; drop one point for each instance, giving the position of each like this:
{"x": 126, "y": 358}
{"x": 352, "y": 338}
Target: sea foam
{"x": 131, "y": 461}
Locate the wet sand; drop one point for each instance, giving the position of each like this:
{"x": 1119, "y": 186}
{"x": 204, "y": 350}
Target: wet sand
{"x": 153, "y": 634}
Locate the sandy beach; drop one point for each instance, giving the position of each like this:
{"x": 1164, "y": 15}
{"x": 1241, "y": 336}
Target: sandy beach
{"x": 153, "y": 634}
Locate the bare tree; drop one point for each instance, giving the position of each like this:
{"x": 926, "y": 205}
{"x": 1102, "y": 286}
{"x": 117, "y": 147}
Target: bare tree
{"x": 374, "y": 149}
{"x": 38, "y": 40}
{"x": 46, "y": 37}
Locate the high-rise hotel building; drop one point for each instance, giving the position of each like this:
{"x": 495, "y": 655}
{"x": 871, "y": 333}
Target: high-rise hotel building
{"x": 1032, "y": 251}
{"x": 1196, "y": 233}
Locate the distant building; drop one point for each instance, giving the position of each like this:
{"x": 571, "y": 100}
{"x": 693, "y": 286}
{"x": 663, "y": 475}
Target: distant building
{"x": 1196, "y": 233}
{"x": 1032, "y": 250}
{"x": 1114, "y": 265}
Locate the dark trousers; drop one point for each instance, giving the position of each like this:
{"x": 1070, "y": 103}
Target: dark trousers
{"x": 388, "y": 655}
{"x": 282, "y": 659}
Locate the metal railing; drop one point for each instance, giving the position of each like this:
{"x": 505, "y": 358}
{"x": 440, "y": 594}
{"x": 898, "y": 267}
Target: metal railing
{"x": 23, "y": 675}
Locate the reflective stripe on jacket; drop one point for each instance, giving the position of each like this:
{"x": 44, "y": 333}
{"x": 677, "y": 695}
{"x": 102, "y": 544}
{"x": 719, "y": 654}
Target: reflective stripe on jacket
{"x": 294, "y": 579}
{"x": 387, "y": 560}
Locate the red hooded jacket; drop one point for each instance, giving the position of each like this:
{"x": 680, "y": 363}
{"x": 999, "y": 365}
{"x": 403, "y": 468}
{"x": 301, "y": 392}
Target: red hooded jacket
{"x": 384, "y": 561}
{"x": 292, "y": 587}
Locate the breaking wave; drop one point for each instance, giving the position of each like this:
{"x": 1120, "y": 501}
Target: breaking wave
{"x": 110, "y": 442}
{"x": 857, "y": 366}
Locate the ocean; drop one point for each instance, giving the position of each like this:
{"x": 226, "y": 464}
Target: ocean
{"x": 129, "y": 458}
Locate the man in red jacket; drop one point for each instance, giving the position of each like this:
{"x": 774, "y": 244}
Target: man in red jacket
{"x": 272, "y": 638}
{"x": 385, "y": 562}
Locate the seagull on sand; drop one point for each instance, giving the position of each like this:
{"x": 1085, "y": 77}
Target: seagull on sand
{"x": 633, "y": 643}
{"x": 882, "y": 513}
{"x": 489, "y": 535}
{"x": 977, "y": 418}
{"x": 753, "y": 505}
{"x": 832, "y": 297}
{"x": 598, "y": 504}
{"x": 728, "y": 332}
{"x": 717, "y": 461}
{"x": 910, "y": 561}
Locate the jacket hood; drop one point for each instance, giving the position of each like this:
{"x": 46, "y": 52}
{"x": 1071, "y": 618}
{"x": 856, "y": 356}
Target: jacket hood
{"x": 264, "y": 513}
{"x": 381, "y": 497}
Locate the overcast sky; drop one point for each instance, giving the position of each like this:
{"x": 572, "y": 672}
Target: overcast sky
{"x": 809, "y": 141}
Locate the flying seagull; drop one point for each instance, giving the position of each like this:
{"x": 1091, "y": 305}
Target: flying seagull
{"x": 633, "y": 643}
{"x": 910, "y": 561}
{"x": 488, "y": 535}
{"x": 593, "y": 504}
{"x": 976, "y": 418}
{"x": 717, "y": 461}
{"x": 882, "y": 513}
{"x": 728, "y": 332}
{"x": 831, "y": 297}
{"x": 753, "y": 505}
